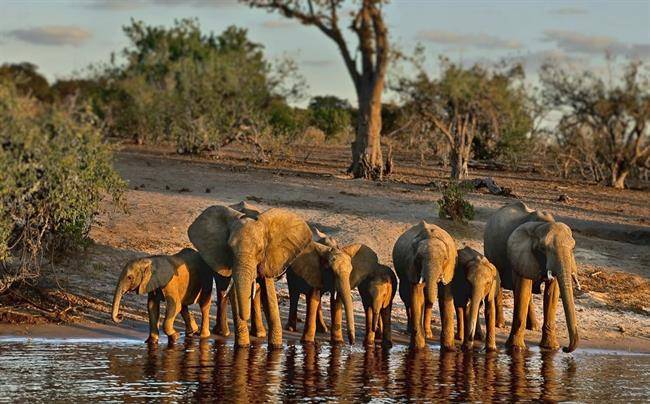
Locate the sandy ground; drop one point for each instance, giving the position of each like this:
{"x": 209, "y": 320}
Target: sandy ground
{"x": 166, "y": 192}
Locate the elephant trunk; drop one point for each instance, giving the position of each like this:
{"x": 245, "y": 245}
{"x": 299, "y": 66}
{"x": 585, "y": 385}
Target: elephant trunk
{"x": 376, "y": 308}
{"x": 474, "y": 304}
{"x": 117, "y": 298}
{"x": 431, "y": 276}
{"x": 244, "y": 277}
{"x": 566, "y": 294}
{"x": 343, "y": 287}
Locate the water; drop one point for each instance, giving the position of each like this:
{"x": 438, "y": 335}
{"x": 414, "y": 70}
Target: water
{"x": 118, "y": 370}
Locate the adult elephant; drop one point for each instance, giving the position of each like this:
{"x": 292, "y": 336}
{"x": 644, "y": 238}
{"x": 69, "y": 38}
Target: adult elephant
{"x": 528, "y": 248}
{"x": 424, "y": 258}
{"x": 247, "y": 249}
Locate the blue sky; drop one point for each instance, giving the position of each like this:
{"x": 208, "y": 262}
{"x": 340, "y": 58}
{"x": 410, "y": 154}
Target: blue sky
{"x": 63, "y": 37}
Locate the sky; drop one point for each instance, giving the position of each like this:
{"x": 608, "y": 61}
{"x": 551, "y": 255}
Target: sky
{"x": 64, "y": 37}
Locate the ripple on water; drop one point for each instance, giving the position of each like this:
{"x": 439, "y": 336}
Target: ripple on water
{"x": 46, "y": 370}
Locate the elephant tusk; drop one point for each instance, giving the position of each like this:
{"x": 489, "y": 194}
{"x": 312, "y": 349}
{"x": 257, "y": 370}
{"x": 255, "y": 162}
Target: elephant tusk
{"x": 549, "y": 275}
{"x": 229, "y": 287}
{"x": 577, "y": 282}
{"x": 254, "y": 290}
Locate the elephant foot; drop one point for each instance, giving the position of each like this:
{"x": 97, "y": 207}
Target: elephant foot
{"x": 337, "y": 341}
{"x": 516, "y": 344}
{"x": 533, "y": 326}
{"x": 260, "y": 333}
{"x": 153, "y": 339}
{"x": 291, "y": 327}
{"x": 490, "y": 348}
{"x": 190, "y": 332}
{"x": 428, "y": 335}
{"x": 386, "y": 344}
{"x": 224, "y": 332}
{"x": 172, "y": 338}
{"x": 458, "y": 337}
{"x": 467, "y": 346}
{"x": 205, "y": 334}
{"x": 549, "y": 343}
{"x": 448, "y": 348}
{"x": 275, "y": 346}
{"x": 322, "y": 329}
{"x": 307, "y": 341}
{"x": 369, "y": 342}
{"x": 500, "y": 323}
{"x": 418, "y": 342}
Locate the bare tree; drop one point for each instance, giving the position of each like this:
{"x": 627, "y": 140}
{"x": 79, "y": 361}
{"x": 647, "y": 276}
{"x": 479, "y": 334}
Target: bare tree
{"x": 368, "y": 73}
{"x": 614, "y": 118}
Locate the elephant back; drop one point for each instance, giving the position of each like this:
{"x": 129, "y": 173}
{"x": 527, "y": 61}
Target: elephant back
{"x": 498, "y": 229}
{"x": 195, "y": 263}
{"x": 209, "y": 233}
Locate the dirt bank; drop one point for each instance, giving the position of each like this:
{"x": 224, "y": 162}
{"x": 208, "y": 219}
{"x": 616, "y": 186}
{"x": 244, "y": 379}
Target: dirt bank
{"x": 167, "y": 192}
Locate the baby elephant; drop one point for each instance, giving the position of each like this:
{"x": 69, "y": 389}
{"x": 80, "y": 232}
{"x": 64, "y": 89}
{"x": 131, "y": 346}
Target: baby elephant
{"x": 377, "y": 292}
{"x": 180, "y": 279}
{"x": 475, "y": 280}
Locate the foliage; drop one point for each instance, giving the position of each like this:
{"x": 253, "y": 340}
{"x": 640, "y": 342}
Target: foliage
{"x": 464, "y": 104}
{"x": 330, "y": 114}
{"x": 55, "y": 171}
{"x": 604, "y": 126}
{"x": 453, "y": 204}
{"x": 27, "y": 80}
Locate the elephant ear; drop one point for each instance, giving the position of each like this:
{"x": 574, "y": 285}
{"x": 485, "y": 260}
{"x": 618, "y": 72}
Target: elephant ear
{"x": 364, "y": 262}
{"x": 521, "y": 250}
{"x": 209, "y": 234}
{"x": 309, "y": 263}
{"x": 156, "y": 273}
{"x": 286, "y": 236}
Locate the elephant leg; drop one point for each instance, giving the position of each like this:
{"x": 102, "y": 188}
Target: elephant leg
{"x": 221, "y": 327}
{"x": 460, "y": 324}
{"x": 242, "y": 338}
{"x": 191, "y": 327}
{"x": 257, "y": 327}
{"x": 417, "y": 308}
{"x": 468, "y": 341}
{"x": 172, "y": 309}
{"x": 387, "y": 333}
{"x": 405, "y": 295}
{"x": 321, "y": 325}
{"x": 294, "y": 298}
{"x": 428, "y": 312}
{"x": 273, "y": 319}
{"x": 336, "y": 307}
{"x": 500, "y": 319}
{"x": 370, "y": 333}
{"x": 446, "y": 304}
{"x": 204, "y": 302}
{"x": 478, "y": 334}
{"x": 309, "y": 331}
{"x": 531, "y": 321}
{"x": 490, "y": 325}
{"x": 153, "y": 307}
{"x": 523, "y": 290}
{"x": 549, "y": 335}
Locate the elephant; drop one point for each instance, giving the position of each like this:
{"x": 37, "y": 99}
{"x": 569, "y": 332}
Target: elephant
{"x": 298, "y": 286}
{"x": 424, "y": 258}
{"x": 377, "y": 291}
{"x": 180, "y": 279}
{"x": 221, "y": 326}
{"x": 250, "y": 249}
{"x": 528, "y": 248}
{"x": 475, "y": 281}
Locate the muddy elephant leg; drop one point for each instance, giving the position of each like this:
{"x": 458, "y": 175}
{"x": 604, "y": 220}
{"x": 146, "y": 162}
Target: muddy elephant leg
{"x": 294, "y": 298}
{"x": 309, "y": 331}
{"x": 387, "y": 332}
{"x": 468, "y": 341}
{"x": 428, "y": 312}
{"x": 173, "y": 307}
{"x": 549, "y": 335}
{"x": 153, "y": 307}
{"x": 370, "y": 334}
{"x": 205, "y": 300}
{"x": 273, "y": 319}
{"x": 446, "y": 304}
{"x": 257, "y": 327}
{"x": 523, "y": 290}
{"x": 221, "y": 326}
{"x": 490, "y": 325}
{"x": 336, "y": 307}
{"x": 531, "y": 321}
{"x": 417, "y": 309}
{"x": 500, "y": 319}
{"x": 460, "y": 324}
{"x": 242, "y": 338}
{"x": 191, "y": 327}
{"x": 321, "y": 325}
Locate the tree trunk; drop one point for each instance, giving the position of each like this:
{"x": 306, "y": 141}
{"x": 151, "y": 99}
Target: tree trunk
{"x": 459, "y": 156}
{"x": 618, "y": 176}
{"x": 366, "y": 149}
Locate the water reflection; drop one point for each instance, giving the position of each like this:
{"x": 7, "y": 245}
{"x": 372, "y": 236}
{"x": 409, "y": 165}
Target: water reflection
{"x": 209, "y": 369}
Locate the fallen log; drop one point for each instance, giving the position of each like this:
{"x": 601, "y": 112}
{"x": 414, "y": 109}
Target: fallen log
{"x": 490, "y": 185}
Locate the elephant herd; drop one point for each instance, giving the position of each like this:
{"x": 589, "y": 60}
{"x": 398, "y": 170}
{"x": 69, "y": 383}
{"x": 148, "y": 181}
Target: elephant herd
{"x": 245, "y": 251}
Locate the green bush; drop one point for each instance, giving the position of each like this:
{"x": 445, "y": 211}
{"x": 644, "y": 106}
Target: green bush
{"x": 55, "y": 170}
{"x": 453, "y": 205}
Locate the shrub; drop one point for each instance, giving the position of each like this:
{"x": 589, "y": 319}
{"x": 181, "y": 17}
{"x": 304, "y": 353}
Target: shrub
{"x": 55, "y": 172}
{"x": 453, "y": 205}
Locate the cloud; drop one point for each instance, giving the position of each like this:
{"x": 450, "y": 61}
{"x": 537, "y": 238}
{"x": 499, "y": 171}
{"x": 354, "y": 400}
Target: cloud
{"x": 317, "y": 62}
{"x": 52, "y": 35}
{"x": 575, "y": 42}
{"x": 275, "y": 24}
{"x": 532, "y": 61}
{"x": 118, "y": 5}
{"x": 483, "y": 41}
{"x": 569, "y": 11}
